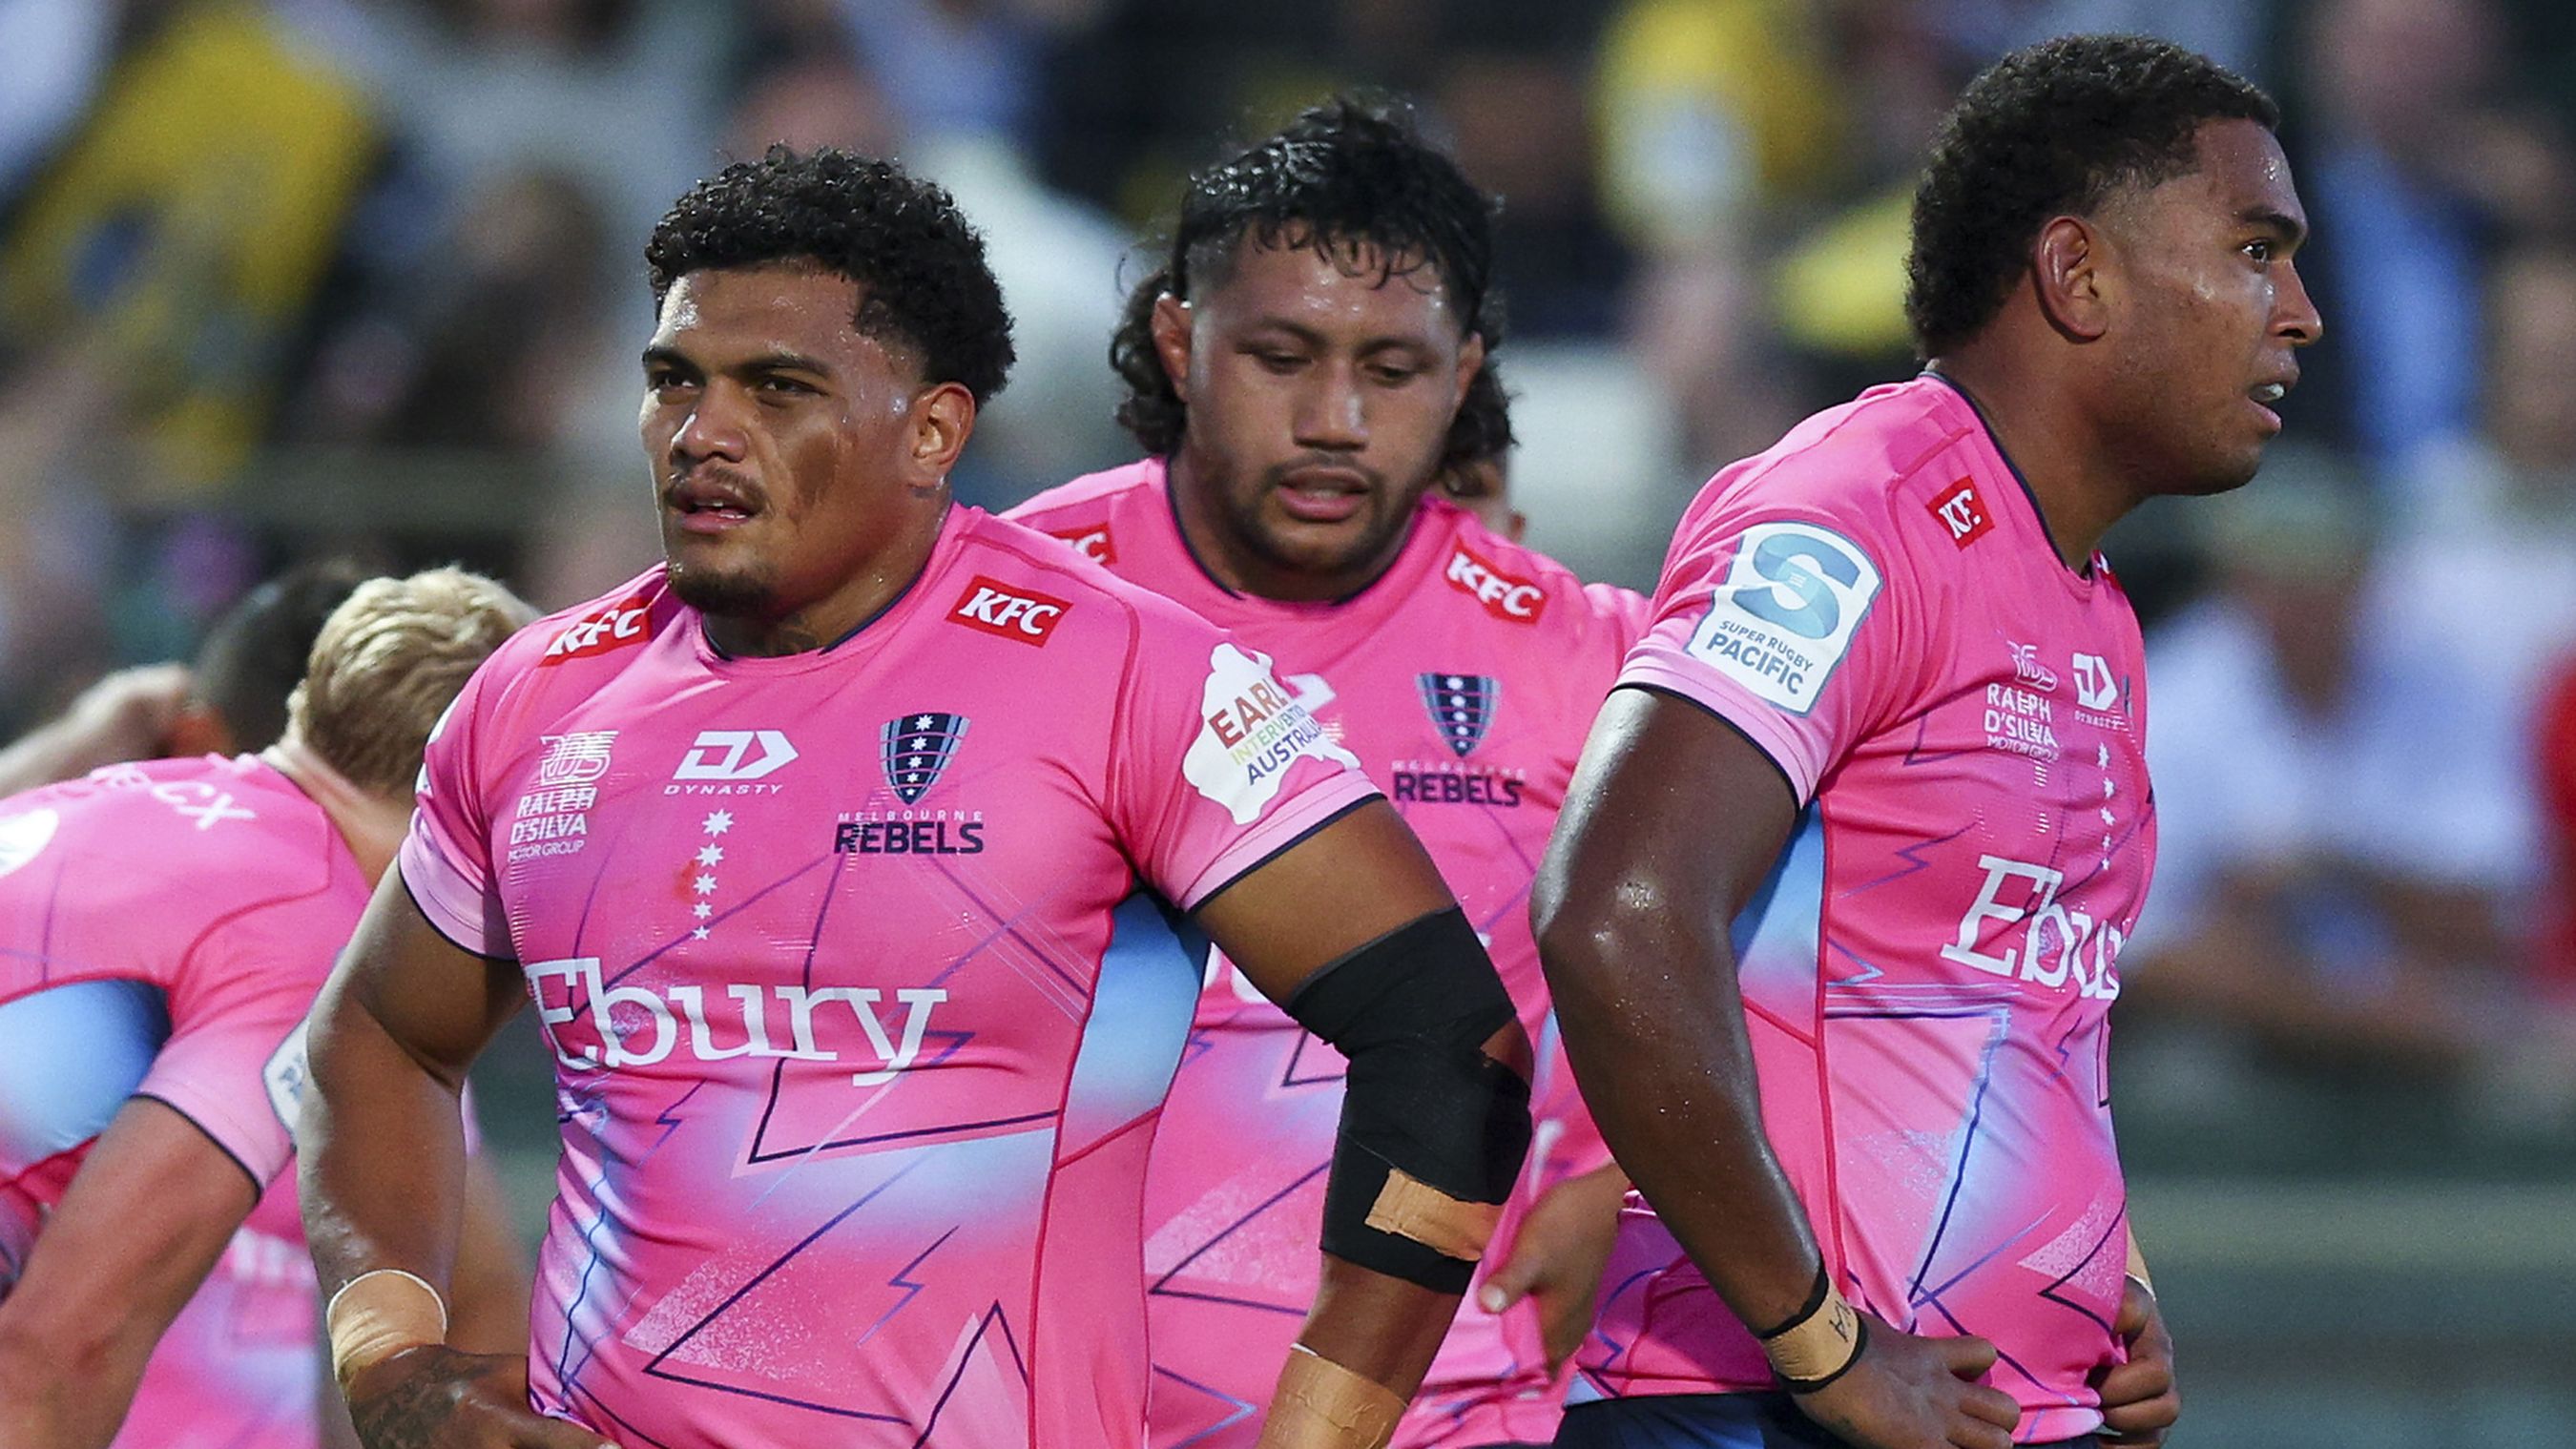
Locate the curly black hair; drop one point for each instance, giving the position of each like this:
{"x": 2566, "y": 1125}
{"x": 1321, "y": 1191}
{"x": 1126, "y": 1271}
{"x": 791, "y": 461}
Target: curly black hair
{"x": 2051, "y": 130}
{"x": 919, "y": 264}
{"x": 1354, "y": 170}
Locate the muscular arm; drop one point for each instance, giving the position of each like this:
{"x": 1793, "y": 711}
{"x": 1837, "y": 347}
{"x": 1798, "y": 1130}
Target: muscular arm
{"x": 384, "y": 1182}
{"x": 142, "y": 1224}
{"x": 382, "y": 1142}
{"x": 1672, "y": 824}
{"x": 126, "y": 716}
{"x": 1673, "y": 821}
{"x": 1347, "y": 885}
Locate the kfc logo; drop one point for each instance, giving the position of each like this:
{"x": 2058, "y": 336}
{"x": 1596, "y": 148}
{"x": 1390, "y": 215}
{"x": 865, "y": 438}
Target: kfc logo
{"x": 1963, "y": 513}
{"x": 1024, "y": 615}
{"x": 612, "y": 628}
{"x": 1514, "y": 601}
{"x": 1091, "y": 543}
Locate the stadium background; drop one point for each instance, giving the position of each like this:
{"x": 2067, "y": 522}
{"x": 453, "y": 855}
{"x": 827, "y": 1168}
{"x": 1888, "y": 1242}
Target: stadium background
{"x": 362, "y": 276}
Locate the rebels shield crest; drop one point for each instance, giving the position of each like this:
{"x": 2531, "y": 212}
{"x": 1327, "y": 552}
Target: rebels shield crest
{"x": 916, "y": 748}
{"x": 1462, "y": 707}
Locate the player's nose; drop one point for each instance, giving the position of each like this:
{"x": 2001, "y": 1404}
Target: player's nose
{"x": 1332, "y": 411}
{"x": 714, "y": 428}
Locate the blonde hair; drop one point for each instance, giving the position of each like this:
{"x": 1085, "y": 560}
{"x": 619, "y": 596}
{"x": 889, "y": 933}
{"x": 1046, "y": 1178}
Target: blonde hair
{"x": 387, "y": 664}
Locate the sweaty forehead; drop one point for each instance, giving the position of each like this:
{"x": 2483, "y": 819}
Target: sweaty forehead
{"x": 786, "y": 304}
{"x": 1292, "y": 278}
{"x": 2238, "y": 174}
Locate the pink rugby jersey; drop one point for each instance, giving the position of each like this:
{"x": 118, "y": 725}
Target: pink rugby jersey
{"x": 1928, "y": 973}
{"x": 864, "y": 976}
{"x": 1465, "y": 680}
{"x": 163, "y": 928}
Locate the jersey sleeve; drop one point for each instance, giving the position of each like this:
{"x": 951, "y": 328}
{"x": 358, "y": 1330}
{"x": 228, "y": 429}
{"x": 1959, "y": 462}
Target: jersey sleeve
{"x": 1779, "y": 621}
{"x": 1214, "y": 768}
{"x": 446, "y": 860}
{"x": 233, "y": 1063}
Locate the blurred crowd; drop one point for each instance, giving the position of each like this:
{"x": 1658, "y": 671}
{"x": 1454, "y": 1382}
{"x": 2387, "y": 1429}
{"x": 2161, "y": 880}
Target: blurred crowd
{"x": 289, "y": 278}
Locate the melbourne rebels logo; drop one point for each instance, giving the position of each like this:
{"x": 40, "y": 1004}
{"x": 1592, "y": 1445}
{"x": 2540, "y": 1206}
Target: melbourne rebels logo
{"x": 1461, "y": 707}
{"x": 915, "y": 751}
{"x": 917, "y": 748}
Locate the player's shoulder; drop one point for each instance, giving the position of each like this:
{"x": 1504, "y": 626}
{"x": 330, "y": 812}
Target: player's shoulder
{"x": 1090, "y": 512}
{"x": 1856, "y": 468}
{"x": 575, "y": 650}
{"x": 1023, "y": 584}
{"x": 233, "y": 826}
{"x": 1518, "y": 586}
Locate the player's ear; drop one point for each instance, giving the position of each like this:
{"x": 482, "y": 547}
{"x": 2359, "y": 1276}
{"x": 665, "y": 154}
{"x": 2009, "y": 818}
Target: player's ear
{"x": 2070, "y": 273}
{"x": 942, "y": 418}
{"x": 1471, "y": 360}
{"x": 1171, "y": 327}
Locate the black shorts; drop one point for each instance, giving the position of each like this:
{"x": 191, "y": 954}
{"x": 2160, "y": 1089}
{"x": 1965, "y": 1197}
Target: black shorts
{"x": 1706, "y": 1421}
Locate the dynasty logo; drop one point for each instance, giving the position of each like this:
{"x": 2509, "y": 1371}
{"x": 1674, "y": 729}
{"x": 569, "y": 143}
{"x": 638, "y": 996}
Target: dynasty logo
{"x": 914, "y": 750}
{"x": 1462, "y": 709}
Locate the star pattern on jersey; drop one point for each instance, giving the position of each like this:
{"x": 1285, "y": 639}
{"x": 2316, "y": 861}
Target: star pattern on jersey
{"x": 701, "y": 871}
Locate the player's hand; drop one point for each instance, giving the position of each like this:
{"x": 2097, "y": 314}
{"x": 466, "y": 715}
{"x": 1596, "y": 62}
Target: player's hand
{"x": 1557, "y": 1257}
{"x": 128, "y": 714}
{"x": 2139, "y": 1400}
{"x": 1916, "y": 1393}
{"x": 433, "y": 1397}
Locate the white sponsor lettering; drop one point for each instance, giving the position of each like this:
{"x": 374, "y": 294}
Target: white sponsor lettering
{"x": 1010, "y": 611}
{"x": 1784, "y": 617}
{"x": 1250, "y": 732}
{"x": 1506, "y": 596}
{"x": 198, "y": 801}
{"x": 637, "y": 1026}
{"x": 2060, "y": 946}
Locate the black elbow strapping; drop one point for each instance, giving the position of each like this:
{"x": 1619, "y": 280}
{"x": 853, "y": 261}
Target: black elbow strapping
{"x": 1412, "y": 1011}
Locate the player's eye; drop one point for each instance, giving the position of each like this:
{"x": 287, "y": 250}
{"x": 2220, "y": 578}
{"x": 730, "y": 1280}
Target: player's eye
{"x": 782, "y": 387}
{"x": 2260, "y": 249}
{"x": 1393, "y": 375}
{"x": 664, "y": 379}
{"x": 1273, "y": 359}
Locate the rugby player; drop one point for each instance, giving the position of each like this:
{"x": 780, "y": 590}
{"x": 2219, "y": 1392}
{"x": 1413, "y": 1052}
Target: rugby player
{"x": 1835, "y": 912}
{"x": 860, "y": 861}
{"x": 1313, "y": 353}
{"x": 163, "y": 927}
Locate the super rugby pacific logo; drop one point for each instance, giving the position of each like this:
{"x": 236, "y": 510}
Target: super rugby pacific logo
{"x": 1512, "y": 600}
{"x": 613, "y": 627}
{"x": 1008, "y": 611}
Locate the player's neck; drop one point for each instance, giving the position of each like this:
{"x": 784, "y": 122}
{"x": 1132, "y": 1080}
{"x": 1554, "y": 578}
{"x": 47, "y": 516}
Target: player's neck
{"x": 1224, "y": 556}
{"x": 2042, "y": 428}
{"x": 868, "y": 592}
{"x": 371, "y": 825}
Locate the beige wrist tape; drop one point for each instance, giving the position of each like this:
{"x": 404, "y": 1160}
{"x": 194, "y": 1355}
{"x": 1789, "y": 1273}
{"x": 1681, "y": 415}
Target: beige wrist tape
{"x": 378, "y": 1314}
{"x": 2138, "y": 1268}
{"x": 1818, "y": 1346}
{"x": 1408, "y": 1207}
{"x": 1322, "y": 1405}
